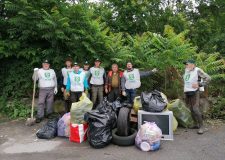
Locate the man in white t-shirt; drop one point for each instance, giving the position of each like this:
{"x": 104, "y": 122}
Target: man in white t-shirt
{"x": 47, "y": 83}
{"x": 131, "y": 81}
{"x": 194, "y": 79}
{"x": 65, "y": 72}
{"x": 97, "y": 80}
{"x": 76, "y": 83}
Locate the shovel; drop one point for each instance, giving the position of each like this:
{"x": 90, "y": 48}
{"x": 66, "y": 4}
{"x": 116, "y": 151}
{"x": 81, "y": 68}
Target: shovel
{"x": 31, "y": 121}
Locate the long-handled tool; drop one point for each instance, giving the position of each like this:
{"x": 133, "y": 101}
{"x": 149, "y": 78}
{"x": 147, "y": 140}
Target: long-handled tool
{"x": 31, "y": 121}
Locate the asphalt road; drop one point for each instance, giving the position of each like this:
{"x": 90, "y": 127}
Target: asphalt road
{"x": 18, "y": 142}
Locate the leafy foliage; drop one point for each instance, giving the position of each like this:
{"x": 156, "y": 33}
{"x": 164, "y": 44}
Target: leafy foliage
{"x": 154, "y": 33}
{"x": 14, "y": 109}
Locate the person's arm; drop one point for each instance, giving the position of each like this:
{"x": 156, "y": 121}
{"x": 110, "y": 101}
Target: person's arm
{"x": 106, "y": 82}
{"x": 205, "y": 77}
{"x": 61, "y": 78}
{"x": 55, "y": 80}
{"x": 147, "y": 73}
{"x": 122, "y": 83}
{"x": 104, "y": 76}
{"x": 86, "y": 83}
{"x": 35, "y": 74}
{"x": 68, "y": 84}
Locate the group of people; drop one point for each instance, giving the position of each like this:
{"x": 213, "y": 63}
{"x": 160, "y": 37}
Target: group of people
{"x": 95, "y": 82}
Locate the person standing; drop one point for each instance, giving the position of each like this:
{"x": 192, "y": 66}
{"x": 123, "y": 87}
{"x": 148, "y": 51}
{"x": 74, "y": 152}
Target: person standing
{"x": 65, "y": 72}
{"x": 85, "y": 69}
{"x": 47, "y": 83}
{"x": 97, "y": 79}
{"x": 194, "y": 78}
{"x": 76, "y": 83}
{"x": 113, "y": 83}
{"x": 131, "y": 81}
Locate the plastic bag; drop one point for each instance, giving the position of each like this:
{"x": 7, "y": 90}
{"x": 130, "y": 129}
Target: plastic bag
{"x": 78, "y": 109}
{"x": 175, "y": 123}
{"x": 153, "y": 101}
{"x": 137, "y": 104}
{"x": 148, "y": 137}
{"x": 181, "y": 112}
{"x": 49, "y": 130}
{"x": 64, "y": 125}
{"x": 101, "y": 122}
{"x": 78, "y": 132}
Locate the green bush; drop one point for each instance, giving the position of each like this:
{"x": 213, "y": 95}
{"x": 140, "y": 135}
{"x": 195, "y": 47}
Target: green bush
{"x": 14, "y": 109}
{"x": 218, "y": 108}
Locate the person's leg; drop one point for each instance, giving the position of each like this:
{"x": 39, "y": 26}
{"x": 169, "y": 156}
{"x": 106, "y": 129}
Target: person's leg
{"x": 111, "y": 96}
{"x": 132, "y": 95}
{"x": 128, "y": 92}
{"x": 67, "y": 102}
{"x": 116, "y": 93}
{"x": 197, "y": 112}
{"x": 189, "y": 104}
{"x": 78, "y": 95}
{"x": 94, "y": 96}
{"x": 72, "y": 97}
{"x": 100, "y": 94}
{"x": 41, "y": 104}
{"x": 49, "y": 102}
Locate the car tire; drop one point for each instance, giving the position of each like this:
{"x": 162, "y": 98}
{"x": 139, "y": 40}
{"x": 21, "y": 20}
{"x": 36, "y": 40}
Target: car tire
{"x": 123, "y": 122}
{"x": 124, "y": 140}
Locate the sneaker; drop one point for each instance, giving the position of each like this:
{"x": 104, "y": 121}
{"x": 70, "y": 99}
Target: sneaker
{"x": 202, "y": 130}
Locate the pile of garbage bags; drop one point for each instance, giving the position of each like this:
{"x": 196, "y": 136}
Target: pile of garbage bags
{"x": 148, "y": 137}
{"x": 64, "y": 125}
{"x": 49, "y": 130}
{"x": 78, "y": 109}
{"x": 181, "y": 112}
{"x": 101, "y": 122}
{"x": 153, "y": 101}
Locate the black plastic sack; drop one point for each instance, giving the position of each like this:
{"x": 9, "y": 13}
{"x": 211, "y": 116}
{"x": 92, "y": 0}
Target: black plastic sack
{"x": 101, "y": 122}
{"x": 49, "y": 130}
{"x": 153, "y": 101}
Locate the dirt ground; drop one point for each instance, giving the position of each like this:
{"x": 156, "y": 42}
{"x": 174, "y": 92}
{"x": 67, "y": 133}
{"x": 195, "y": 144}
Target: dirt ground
{"x": 19, "y": 142}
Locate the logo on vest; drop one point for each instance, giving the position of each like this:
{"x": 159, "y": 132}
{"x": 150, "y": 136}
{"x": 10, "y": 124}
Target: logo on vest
{"x": 187, "y": 77}
{"x": 131, "y": 77}
{"x": 47, "y": 75}
{"x": 77, "y": 79}
{"x": 97, "y": 73}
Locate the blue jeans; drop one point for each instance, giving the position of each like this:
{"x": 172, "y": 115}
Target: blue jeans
{"x": 131, "y": 93}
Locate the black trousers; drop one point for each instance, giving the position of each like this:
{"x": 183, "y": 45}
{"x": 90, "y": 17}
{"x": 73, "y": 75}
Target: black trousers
{"x": 74, "y": 97}
{"x": 193, "y": 102}
{"x": 113, "y": 94}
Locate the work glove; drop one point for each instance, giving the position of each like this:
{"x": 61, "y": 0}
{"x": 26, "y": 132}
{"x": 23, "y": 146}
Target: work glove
{"x": 155, "y": 70}
{"x": 124, "y": 93}
{"x": 35, "y": 69}
{"x": 86, "y": 92}
{"x": 67, "y": 94}
{"x": 55, "y": 90}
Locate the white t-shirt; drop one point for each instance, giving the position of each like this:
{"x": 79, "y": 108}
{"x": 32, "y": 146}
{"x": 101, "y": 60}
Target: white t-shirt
{"x": 97, "y": 76}
{"x": 65, "y": 73}
{"x": 47, "y": 78}
{"x": 132, "y": 79}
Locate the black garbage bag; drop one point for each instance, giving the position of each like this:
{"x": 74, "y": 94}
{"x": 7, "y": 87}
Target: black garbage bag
{"x": 49, "y": 130}
{"x": 153, "y": 101}
{"x": 101, "y": 122}
{"x": 105, "y": 106}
